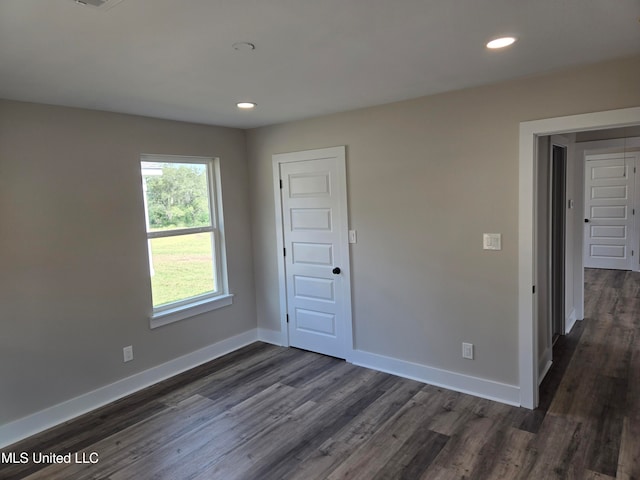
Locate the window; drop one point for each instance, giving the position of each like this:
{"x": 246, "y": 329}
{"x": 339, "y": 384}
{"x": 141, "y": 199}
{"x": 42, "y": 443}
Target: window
{"x": 183, "y": 212}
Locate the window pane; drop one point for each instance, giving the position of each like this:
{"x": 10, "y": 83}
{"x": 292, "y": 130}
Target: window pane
{"x": 177, "y": 195}
{"x": 182, "y": 267}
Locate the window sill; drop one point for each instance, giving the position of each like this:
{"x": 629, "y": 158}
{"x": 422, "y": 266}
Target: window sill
{"x": 191, "y": 310}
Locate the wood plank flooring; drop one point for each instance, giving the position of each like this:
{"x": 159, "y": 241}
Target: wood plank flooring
{"x": 266, "y": 412}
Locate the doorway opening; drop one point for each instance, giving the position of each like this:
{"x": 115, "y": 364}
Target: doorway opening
{"x": 585, "y": 195}
{"x": 529, "y": 239}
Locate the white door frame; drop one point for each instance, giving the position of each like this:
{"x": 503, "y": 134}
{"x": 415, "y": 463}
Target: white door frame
{"x": 527, "y": 275}
{"x": 340, "y": 152}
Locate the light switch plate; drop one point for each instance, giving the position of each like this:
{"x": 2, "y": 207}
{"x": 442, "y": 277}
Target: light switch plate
{"x": 492, "y": 241}
{"x": 353, "y": 236}
{"x": 127, "y": 353}
{"x": 467, "y": 350}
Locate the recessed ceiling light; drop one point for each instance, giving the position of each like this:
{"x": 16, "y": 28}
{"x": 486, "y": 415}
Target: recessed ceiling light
{"x": 97, "y": 4}
{"x": 244, "y": 46}
{"x": 501, "y": 42}
{"x": 246, "y": 105}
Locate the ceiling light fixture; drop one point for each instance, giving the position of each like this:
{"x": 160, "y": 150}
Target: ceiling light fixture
{"x": 246, "y": 105}
{"x": 501, "y": 42}
{"x": 97, "y": 4}
{"x": 243, "y": 46}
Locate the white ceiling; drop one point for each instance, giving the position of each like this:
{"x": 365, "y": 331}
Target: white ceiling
{"x": 174, "y": 58}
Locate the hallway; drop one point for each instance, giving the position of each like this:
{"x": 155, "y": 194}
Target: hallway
{"x": 594, "y": 415}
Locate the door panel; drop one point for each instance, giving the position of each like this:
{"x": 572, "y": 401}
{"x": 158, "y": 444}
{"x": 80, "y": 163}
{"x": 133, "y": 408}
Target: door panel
{"x": 609, "y": 219}
{"x": 312, "y": 184}
{"x": 314, "y": 223}
{"x": 311, "y": 253}
{"x": 313, "y": 288}
{"x": 310, "y": 219}
{"x": 314, "y": 322}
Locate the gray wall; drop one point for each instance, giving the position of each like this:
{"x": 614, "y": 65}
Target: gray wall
{"x": 573, "y": 231}
{"x": 74, "y": 280}
{"x": 426, "y": 178}
{"x": 609, "y": 134}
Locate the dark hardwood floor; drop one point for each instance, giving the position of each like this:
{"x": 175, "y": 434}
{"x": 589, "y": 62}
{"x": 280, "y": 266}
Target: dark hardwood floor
{"x": 266, "y": 412}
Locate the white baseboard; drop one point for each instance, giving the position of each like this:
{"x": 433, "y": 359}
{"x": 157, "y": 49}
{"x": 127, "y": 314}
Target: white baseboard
{"x": 479, "y": 387}
{"x": 543, "y": 372}
{"x": 570, "y": 321}
{"x": 544, "y": 363}
{"x": 270, "y": 336}
{"x": 37, "y": 422}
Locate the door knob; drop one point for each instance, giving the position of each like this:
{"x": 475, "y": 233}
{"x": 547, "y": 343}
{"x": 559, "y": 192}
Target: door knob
{"x": 586, "y": 220}
{"x": 336, "y": 270}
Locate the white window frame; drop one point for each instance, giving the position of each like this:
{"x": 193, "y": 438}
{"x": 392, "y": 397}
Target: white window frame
{"x": 189, "y": 307}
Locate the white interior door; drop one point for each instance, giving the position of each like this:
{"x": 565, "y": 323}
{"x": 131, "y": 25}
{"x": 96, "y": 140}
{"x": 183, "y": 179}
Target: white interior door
{"x": 609, "y": 211}
{"x": 316, "y": 251}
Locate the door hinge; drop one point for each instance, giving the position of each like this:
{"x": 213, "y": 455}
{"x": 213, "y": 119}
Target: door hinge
{"x": 634, "y": 169}
{"x": 284, "y": 252}
{"x": 632, "y": 253}
{"x": 287, "y": 318}
{"x": 280, "y": 183}
{"x": 534, "y": 289}
{"x": 633, "y": 211}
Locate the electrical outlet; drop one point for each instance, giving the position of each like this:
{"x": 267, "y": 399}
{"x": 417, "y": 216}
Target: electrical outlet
{"x": 467, "y": 350}
{"x": 127, "y": 353}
